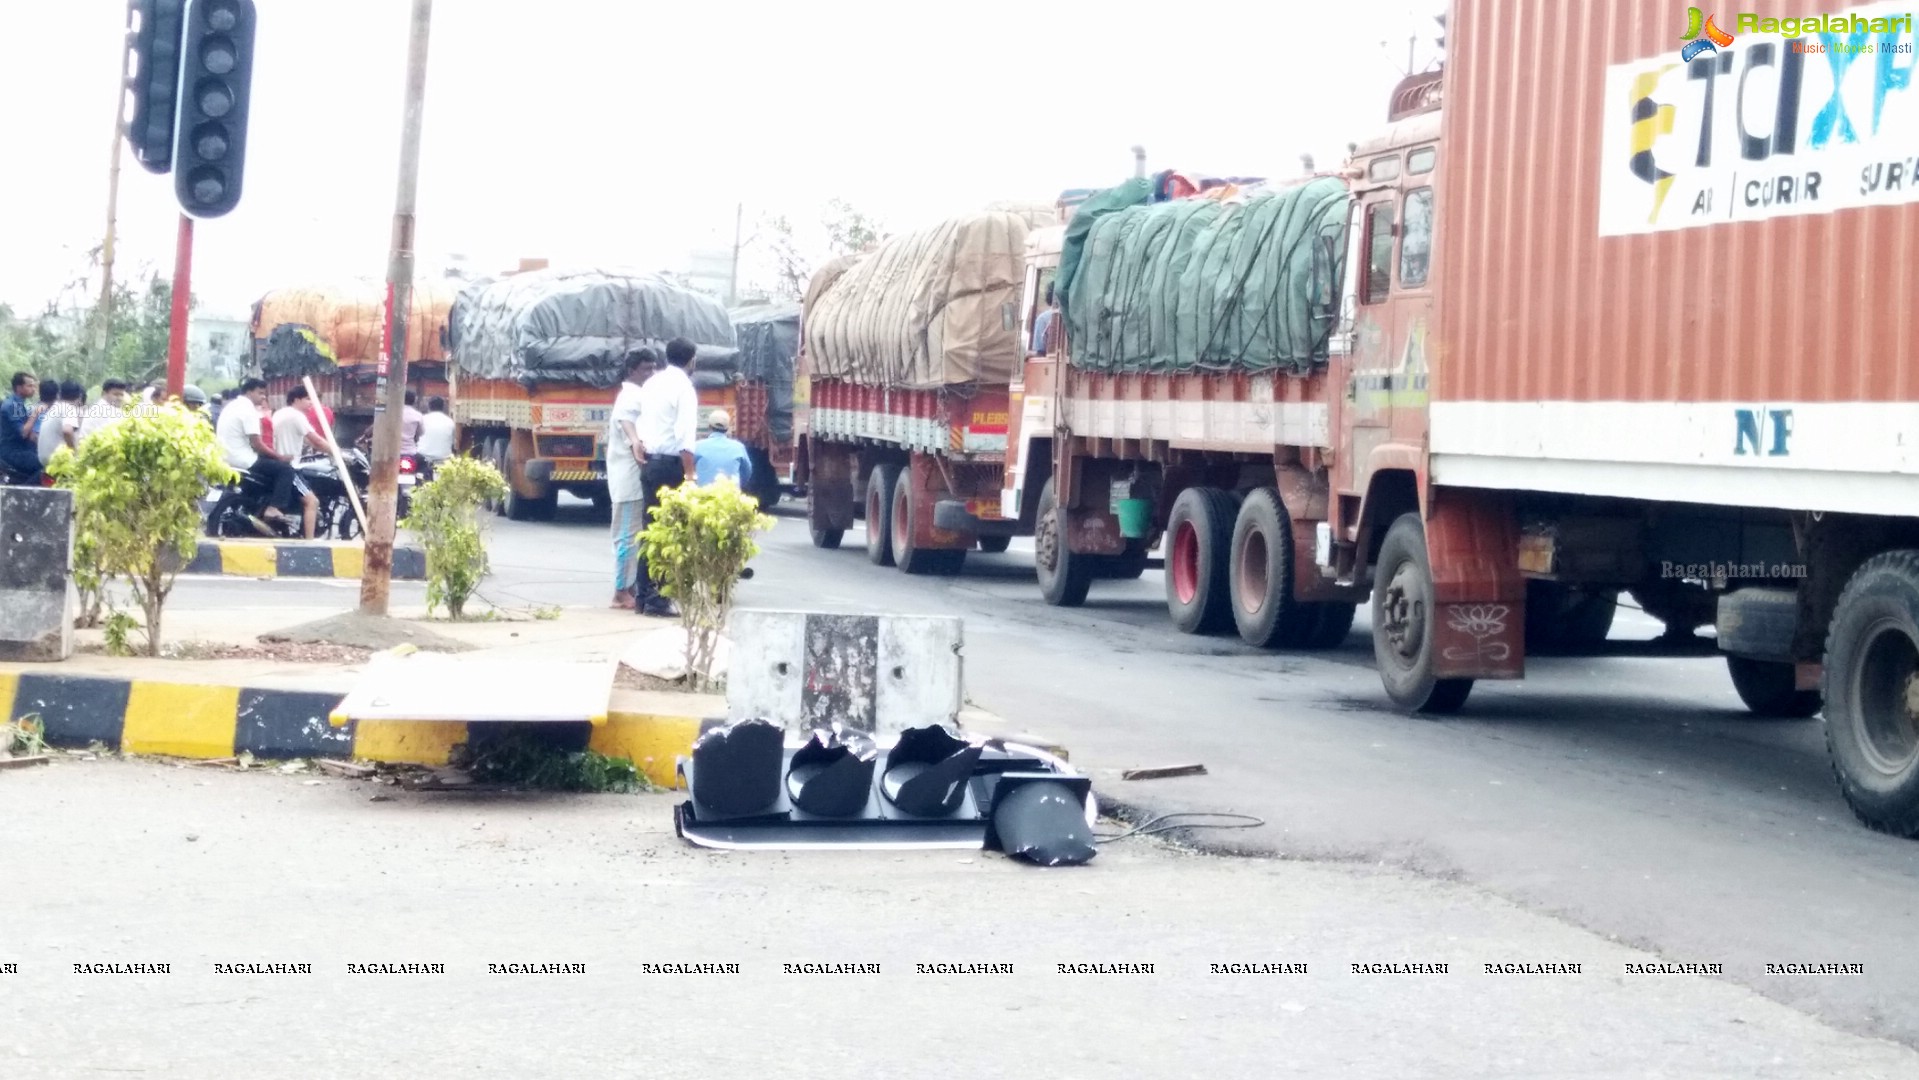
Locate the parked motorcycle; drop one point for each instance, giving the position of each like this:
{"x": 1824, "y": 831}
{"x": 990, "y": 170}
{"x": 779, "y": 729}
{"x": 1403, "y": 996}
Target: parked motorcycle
{"x": 336, "y": 517}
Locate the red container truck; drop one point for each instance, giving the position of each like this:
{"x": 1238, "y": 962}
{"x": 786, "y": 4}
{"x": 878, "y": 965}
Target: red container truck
{"x": 1628, "y": 315}
{"x": 906, "y": 354}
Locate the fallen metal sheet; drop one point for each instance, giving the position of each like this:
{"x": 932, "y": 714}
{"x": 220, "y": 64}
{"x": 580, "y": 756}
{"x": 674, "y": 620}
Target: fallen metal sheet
{"x": 434, "y": 686}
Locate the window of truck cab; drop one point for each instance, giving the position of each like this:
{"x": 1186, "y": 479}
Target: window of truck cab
{"x": 1376, "y": 285}
{"x": 1415, "y": 238}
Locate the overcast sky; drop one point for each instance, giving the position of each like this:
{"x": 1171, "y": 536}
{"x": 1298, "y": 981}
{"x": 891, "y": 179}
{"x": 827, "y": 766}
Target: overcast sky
{"x": 624, "y": 132}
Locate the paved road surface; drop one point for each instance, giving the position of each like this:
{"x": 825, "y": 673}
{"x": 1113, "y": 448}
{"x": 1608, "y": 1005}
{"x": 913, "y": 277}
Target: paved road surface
{"x": 142, "y": 863}
{"x": 1630, "y": 796}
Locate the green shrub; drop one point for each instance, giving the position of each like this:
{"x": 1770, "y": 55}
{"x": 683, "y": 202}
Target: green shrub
{"x": 696, "y": 544}
{"x": 446, "y": 515}
{"x": 136, "y": 488}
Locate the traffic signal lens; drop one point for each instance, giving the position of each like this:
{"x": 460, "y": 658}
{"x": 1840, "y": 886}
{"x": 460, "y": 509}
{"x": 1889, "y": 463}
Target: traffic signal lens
{"x": 210, "y": 142}
{"x": 219, "y": 56}
{"x": 214, "y": 97}
{"x": 207, "y": 186}
{"x": 223, "y": 17}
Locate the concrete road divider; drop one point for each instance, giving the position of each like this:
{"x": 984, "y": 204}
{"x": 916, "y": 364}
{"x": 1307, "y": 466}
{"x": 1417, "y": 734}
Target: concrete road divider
{"x": 298, "y": 558}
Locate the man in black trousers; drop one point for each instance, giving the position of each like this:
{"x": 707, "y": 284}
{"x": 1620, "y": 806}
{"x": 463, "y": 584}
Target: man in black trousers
{"x": 669, "y": 422}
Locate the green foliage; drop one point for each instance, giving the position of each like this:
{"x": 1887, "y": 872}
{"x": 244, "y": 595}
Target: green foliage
{"x": 528, "y": 760}
{"x": 137, "y": 486}
{"x": 446, "y": 515}
{"x": 26, "y": 737}
{"x": 64, "y": 340}
{"x": 118, "y": 633}
{"x": 696, "y": 544}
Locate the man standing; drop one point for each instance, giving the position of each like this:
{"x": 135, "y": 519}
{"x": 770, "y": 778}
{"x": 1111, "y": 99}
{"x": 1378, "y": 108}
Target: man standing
{"x": 720, "y": 454}
{"x": 246, "y": 450}
{"x": 61, "y": 426}
{"x": 669, "y": 420}
{"x": 19, "y": 453}
{"x": 436, "y": 434}
{"x": 623, "y": 467}
{"x": 108, "y": 411}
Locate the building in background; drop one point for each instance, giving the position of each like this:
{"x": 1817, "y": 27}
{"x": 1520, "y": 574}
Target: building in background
{"x": 218, "y": 346}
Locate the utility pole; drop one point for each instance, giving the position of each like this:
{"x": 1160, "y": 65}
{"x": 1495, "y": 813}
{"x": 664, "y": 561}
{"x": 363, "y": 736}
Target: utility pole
{"x": 377, "y": 574}
{"x": 1139, "y": 163}
{"x": 182, "y": 297}
{"x": 733, "y": 284}
{"x": 104, "y": 312}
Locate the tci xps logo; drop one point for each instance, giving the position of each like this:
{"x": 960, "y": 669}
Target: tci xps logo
{"x": 1757, "y": 118}
{"x": 1698, "y": 22}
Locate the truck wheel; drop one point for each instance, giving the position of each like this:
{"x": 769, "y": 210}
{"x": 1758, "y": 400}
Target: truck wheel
{"x": 1872, "y": 692}
{"x": 521, "y": 508}
{"x": 1403, "y": 624}
{"x": 825, "y": 539}
{"x": 905, "y": 523}
{"x": 1568, "y": 616}
{"x": 1201, "y": 532}
{"x": 1063, "y": 576}
{"x": 766, "y": 482}
{"x": 1683, "y": 607}
{"x": 494, "y": 453}
{"x": 879, "y": 514}
{"x": 995, "y": 545}
{"x": 1261, "y": 573}
{"x": 1331, "y": 624}
{"x": 1768, "y": 688}
{"x": 1125, "y": 567}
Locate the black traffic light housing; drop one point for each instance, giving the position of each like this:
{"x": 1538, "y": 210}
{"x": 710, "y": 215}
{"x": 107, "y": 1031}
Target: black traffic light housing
{"x": 216, "y": 77}
{"x": 154, "y": 29}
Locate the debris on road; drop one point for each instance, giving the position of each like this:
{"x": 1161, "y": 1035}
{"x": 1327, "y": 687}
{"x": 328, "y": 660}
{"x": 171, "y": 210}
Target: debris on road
{"x": 7, "y": 761}
{"x": 349, "y": 770}
{"x": 1164, "y": 772}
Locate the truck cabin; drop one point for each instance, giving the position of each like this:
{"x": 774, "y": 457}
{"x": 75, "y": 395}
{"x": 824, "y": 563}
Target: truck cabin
{"x": 1390, "y": 231}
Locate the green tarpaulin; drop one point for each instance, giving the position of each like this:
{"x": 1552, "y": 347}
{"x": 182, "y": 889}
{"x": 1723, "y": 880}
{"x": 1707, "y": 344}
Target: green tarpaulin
{"x": 1244, "y": 284}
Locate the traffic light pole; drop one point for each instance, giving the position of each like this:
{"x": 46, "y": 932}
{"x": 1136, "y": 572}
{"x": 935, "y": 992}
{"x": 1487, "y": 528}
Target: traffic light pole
{"x": 182, "y": 298}
{"x": 377, "y": 573}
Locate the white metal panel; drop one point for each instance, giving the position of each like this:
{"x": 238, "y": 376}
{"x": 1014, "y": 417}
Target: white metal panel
{"x": 1253, "y": 424}
{"x": 435, "y": 686}
{"x": 921, "y": 671}
{"x": 764, "y": 674}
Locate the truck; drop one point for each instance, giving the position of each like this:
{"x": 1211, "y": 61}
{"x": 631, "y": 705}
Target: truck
{"x": 1599, "y": 318}
{"x": 769, "y": 344}
{"x": 336, "y": 335}
{"x": 537, "y": 359}
{"x": 906, "y": 355}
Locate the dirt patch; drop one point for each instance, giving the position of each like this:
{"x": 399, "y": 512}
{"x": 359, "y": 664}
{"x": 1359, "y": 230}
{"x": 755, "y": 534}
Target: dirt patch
{"x": 366, "y": 632}
{"x": 279, "y": 652}
{"x": 628, "y": 679}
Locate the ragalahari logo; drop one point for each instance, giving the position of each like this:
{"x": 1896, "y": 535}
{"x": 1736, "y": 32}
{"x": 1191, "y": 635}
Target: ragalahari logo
{"x": 1698, "y": 22}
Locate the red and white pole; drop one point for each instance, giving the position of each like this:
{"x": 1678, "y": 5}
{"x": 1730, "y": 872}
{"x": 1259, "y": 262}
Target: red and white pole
{"x": 182, "y": 296}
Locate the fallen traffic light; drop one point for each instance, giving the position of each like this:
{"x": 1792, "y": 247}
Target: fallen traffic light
{"x": 216, "y": 78}
{"x": 153, "y": 78}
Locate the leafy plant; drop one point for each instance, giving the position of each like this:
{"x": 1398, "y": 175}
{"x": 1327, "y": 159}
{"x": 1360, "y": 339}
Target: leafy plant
{"x": 699, "y": 540}
{"x": 26, "y": 736}
{"x": 137, "y": 486}
{"x": 88, "y": 580}
{"x": 119, "y": 630}
{"x": 446, "y": 515}
{"x": 530, "y": 760}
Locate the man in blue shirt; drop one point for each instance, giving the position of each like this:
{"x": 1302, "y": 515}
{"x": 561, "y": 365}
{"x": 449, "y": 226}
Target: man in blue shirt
{"x": 19, "y": 450}
{"x": 719, "y": 454}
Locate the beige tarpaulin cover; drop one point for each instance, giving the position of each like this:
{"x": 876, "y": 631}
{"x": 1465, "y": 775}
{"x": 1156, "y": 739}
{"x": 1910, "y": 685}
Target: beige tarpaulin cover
{"x": 924, "y": 310}
{"x": 351, "y": 317}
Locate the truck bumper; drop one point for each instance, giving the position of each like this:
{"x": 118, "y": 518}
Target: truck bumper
{"x": 552, "y": 471}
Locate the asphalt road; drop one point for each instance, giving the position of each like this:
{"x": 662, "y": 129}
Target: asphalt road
{"x": 143, "y": 863}
{"x": 1631, "y": 796}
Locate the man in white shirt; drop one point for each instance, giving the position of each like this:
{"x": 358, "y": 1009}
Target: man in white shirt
{"x": 436, "y": 435}
{"x": 293, "y": 432}
{"x": 109, "y": 410}
{"x": 663, "y": 449}
{"x": 61, "y": 426}
{"x": 623, "y": 476}
{"x": 240, "y": 439}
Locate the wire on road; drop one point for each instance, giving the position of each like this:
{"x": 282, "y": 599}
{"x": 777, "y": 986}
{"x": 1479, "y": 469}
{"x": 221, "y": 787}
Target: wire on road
{"x": 1165, "y": 823}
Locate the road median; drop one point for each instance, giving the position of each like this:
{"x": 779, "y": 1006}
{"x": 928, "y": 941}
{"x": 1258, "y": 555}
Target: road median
{"x": 298, "y": 559}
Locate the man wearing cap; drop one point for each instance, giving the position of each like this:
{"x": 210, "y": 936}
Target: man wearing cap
{"x": 720, "y": 454}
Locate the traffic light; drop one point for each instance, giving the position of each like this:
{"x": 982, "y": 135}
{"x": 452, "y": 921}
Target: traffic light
{"x": 153, "y": 78}
{"x": 216, "y": 75}
{"x": 931, "y": 789}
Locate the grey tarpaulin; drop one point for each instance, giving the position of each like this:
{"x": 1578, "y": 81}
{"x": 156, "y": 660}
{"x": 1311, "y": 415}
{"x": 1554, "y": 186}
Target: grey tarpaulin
{"x": 567, "y": 326}
{"x": 293, "y": 349}
{"x": 769, "y": 338}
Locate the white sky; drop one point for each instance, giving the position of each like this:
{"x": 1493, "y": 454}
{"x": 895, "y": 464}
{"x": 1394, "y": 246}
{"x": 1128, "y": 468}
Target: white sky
{"x": 622, "y": 132}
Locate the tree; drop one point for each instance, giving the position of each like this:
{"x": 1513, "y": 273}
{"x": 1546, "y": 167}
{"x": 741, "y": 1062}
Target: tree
{"x": 848, "y": 230}
{"x": 446, "y": 513}
{"x": 787, "y": 258}
{"x": 698, "y": 542}
{"x": 137, "y": 485}
{"x": 62, "y": 341}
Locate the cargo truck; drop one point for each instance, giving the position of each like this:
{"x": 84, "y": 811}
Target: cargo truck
{"x": 336, "y": 335}
{"x": 1591, "y": 316}
{"x": 769, "y": 344}
{"x": 906, "y": 355}
{"x": 536, "y": 363}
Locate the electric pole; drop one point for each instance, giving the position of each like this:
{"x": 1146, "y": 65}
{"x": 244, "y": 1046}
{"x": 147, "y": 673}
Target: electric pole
{"x": 733, "y": 284}
{"x": 104, "y": 313}
{"x": 390, "y": 400}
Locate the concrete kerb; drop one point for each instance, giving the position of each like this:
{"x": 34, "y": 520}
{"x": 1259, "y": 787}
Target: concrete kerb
{"x": 298, "y": 558}
{"x": 177, "y": 714}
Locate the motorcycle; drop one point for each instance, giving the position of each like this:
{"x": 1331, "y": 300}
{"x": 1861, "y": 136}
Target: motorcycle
{"x": 336, "y": 515}
{"x": 240, "y": 504}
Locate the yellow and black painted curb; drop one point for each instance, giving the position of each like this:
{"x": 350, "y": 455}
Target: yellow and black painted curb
{"x": 208, "y": 721}
{"x": 307, "y": 558}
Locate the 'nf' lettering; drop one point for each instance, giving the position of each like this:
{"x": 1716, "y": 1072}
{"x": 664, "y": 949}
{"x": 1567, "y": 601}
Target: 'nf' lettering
{"x": 1755, "y": 425}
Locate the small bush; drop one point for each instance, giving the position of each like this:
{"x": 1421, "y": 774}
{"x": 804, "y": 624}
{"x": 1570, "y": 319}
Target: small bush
{"x": 699, "y": 540}
{"x": 136, "y": 491}
{"x": 446, "y": 515}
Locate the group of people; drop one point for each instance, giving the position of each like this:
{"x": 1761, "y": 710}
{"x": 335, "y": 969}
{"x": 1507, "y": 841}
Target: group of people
{"x": 41, "y": 416}
{"x": 651, "y": 446}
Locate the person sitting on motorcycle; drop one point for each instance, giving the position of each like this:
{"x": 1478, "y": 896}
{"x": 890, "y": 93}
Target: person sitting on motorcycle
{"x": 240, "y": 438}
{"x": 293, "y": 433}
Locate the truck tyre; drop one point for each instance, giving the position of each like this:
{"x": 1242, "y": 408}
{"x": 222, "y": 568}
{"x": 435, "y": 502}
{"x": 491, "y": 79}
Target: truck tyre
{"x": 1124, "y": 567}
{"x": 1332, "y": 623}
{"x": 1403, "y": 613}
{"x": 1568, "y": 616}
{"x": 521, "y": 508}
{"x": 995, "y": 545}
{"x": 879, "y": 514}
{"x": 1201, "y": 549}
{"x": 1768, "y": 688}
{"x": 825, "y": 539}
{"x": 765, "y": 485}
{"x": 1872, "y": 692}
{"x": 1064, "y": 577}
{"x": 905, "y": 523}
{"x": 494, "y": 453}
{"x": 1683, "y": 607}
{"x": 1260, "y": 571}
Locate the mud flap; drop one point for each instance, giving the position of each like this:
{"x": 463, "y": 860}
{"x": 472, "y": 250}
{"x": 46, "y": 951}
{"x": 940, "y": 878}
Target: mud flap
{"x": 1479, "y": 627}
